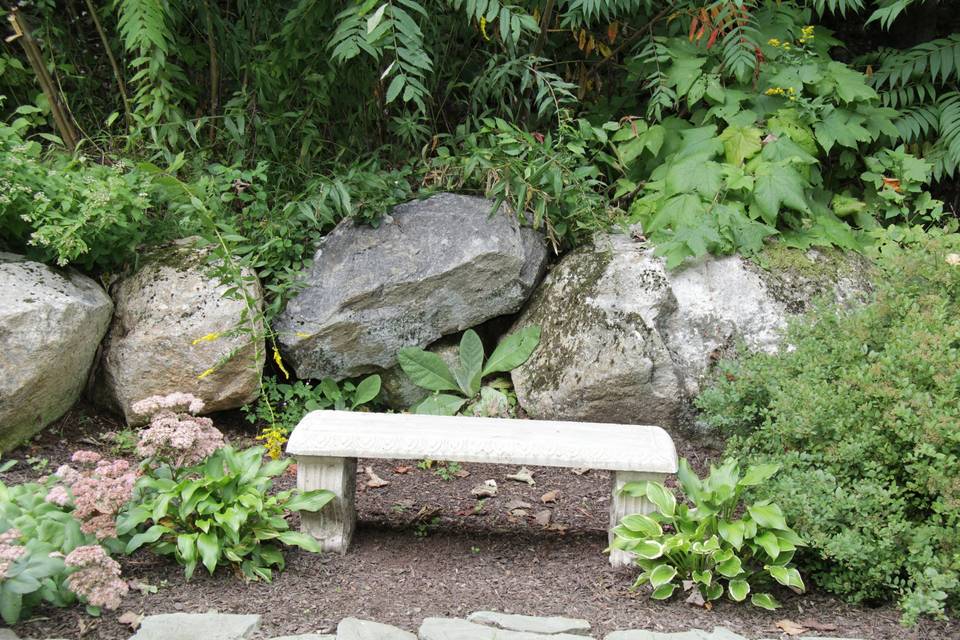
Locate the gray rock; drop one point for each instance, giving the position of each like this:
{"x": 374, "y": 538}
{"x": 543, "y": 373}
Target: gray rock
{"x": 455, "y": 629}
{"x": 626, "y": 340}
{"x": 640, "y": 634}
{"x": 435, "y": 267}
{"x": 8, "y": 634}
{"x": 156, "y": 344}
{"x": 197, "y": 626}
{"x": 533, "y": 624}
{"x": 356, "y": 629}
{"x": 51, "y": 323}
{"x": 398, "y": 390}
{"x": 308, "y": 636}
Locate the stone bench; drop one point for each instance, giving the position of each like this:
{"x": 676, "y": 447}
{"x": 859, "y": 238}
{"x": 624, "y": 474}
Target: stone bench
{"x": 326, "y": 445}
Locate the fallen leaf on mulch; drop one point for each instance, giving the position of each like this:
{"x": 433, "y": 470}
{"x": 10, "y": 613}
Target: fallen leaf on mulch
{"x": 131, "y": 618}
{"x": 292, "y": 470}
{"x": 579, "y": 471}
{"x": 549, "y": 496}
{"x": 513, "y": 505}
{"x": 519, "y": 513}
{"x": 790, "y": 627}
{"x": 559, "y": 528}
{"x": 695, "y": 598}
{"x": 813, "y": 625}
{"x": 523, "y": 475}
{"x": 486, "y": 489}
{"x": 143, "y": 587}
{"x": 542, "y": 518}
{"x": 463, "y": 473}
{"x": 402, "y": 470}
{"x": 375, "y": 481}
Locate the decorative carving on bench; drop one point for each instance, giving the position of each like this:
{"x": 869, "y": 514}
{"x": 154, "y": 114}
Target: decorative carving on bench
{"x": 328, "y": 443}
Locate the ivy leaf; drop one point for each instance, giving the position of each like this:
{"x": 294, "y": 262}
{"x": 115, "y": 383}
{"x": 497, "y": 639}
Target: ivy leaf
{"x": 778, "y": 185}
{"x": 740, "y": 143}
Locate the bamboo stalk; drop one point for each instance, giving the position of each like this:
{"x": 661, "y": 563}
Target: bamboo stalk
{"x": 61, "y": 117}
{"x": 121, "y": 85}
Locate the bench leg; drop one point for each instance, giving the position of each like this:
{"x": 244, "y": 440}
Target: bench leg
{"x": 622, "y": 505}
{"x": 333, "y": 525}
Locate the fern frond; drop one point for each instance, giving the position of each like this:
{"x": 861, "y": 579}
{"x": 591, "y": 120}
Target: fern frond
{"x": 937, "y": 61}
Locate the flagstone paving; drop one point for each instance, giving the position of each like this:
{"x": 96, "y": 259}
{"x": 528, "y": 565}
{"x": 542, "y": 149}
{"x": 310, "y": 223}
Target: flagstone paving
{"x": 482, "y": 625}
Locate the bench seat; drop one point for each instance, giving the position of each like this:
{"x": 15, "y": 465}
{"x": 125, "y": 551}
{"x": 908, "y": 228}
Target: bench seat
{"x": 327, "y": 444}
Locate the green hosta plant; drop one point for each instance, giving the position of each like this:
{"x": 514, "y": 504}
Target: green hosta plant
{"x": 219, "y": 511}
{"x": 711, "y": 545}
{"x": 429, "y": 371}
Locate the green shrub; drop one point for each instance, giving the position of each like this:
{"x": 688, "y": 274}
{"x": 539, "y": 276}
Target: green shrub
{"x": 861, "y": 414}
{"x": 219, "y": 511}
{"x": 283, "y": 404}
{"x": 716, "y": 544}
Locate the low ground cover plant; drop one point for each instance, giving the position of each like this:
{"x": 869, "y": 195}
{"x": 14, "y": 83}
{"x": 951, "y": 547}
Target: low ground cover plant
{"x": 860, "y": 413}
{"x": 204, "y": 502}
{"x": 718, "y": 543}
{"x": 428, "y": 370}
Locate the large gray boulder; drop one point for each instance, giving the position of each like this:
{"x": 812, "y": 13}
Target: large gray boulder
{"x": 432, "y": 268}
{"x": 51, "y": 322}
{"x": 173, "y": 330}
{"x": 626, "y": 340}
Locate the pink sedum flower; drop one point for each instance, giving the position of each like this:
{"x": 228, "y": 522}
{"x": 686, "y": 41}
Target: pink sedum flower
{"x": 174, "y": 402}
{"x": 99, "y": 493}
{"x": 97, "y": 579}
{"x": 10, "y": 552}
{"x": 176, "y": 436}
{"x": 58, "y": 495}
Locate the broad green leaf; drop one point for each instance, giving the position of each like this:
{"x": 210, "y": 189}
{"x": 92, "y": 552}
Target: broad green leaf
{"x": 149, "y": 536}
{"x": 209, "y": 547}
{"x": 689, "y": 480}
{"x": 732, "y": 532}
{"x": 310, "y": 500}
{"x": 684, "y": 72}
{"x": 11, "y": 603}
{"x": 440, "y": 404}
{"x": 704, "y": 577}
{"x": 741, "y": 143}
{"x": 426, "y": 369}
{"x": 739, "y": 589}
{"x": 767, "y": 515}
{"x": 694, "y": 175}
{"x": 764, "y": 601}
{"x": 662, "y": 574}
{"x": 664, "y": 591}
{"x": 714, "y": 591}
{"x": 471, "y": 362}
{"x": 367, "y": 390}
{"x": 513, "y": 350}
{"x": 642, "y": 523}
{"x": 662, "y": 497}
{"x": 841, "y": 127}
{"x": 778, "y": 185}
{"x": 787, "y": 576}
{"x": 768, "y": 540}
{"x": 22, "y": 583}
{"x": 758, "y": 474}
{"x": 648, "y": 550}
{"x": 302, "y": 540}
{"x": 730, "y": 568}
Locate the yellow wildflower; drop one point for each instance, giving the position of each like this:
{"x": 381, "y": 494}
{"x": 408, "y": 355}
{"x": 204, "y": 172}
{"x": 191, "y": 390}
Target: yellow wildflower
{"x": 210, "y": 337}
{"x": 483, "y": 28}
{"x": 279, "y": 361}
{"x": 806, "y": 34}
{"x": 775, "y": 91}
{"x": 205, "y": 374}
{"x": 774, "y": 42}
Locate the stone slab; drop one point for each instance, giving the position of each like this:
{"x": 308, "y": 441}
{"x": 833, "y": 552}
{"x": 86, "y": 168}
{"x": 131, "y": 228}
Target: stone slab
{"x": 308, "y": 636}
{"x": 356, "y": 629}
{"x": 8, "y": 634}
{"x": 532, "y": 624}
{"x": 455, "y": 629}
{"x": 486, "y": 440}
{"x": 197, "y": 626}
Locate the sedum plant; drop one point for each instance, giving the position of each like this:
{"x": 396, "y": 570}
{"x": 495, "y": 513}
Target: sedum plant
{"x": 716, "y": 544}
{"x": 203, "y": 502}
{"x": 465, "y": 380}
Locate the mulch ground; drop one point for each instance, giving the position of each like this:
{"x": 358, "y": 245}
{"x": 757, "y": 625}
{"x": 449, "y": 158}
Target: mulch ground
{"x": 426, "y": 547}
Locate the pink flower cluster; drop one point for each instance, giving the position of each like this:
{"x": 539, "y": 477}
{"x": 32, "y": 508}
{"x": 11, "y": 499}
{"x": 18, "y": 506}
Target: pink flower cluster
{"x": 9, "y": 550}
{"x": 176, "y": 437}
{"x": 97, "y": 579}
{"x": 174, "y": 402}
{"x": 98, "y": 492}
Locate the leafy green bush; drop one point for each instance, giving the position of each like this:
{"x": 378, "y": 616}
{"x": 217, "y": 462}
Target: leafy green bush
{"x": 710, "y": 541}
{"x": 219, "y": 511}
{"x": 283, "y": 405}
{"x": 71, "y": 210}
{"x": 428, "y": 371}
{"x": 861, "y": 414}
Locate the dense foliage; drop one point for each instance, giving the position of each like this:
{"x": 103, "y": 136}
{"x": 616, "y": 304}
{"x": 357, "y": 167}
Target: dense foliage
{"x": 861, "y": 414}
{"x": 715, "y": 544}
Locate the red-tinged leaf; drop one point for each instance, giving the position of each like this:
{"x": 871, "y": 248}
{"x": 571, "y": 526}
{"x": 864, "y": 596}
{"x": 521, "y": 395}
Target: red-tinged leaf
{"x": 693, "y": 27}
{"x": 713, "y": 37}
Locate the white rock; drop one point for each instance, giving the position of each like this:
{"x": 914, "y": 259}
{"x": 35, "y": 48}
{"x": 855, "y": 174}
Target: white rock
{"x": 626, "y": 340}
{"x": 51, "y": 323}
{"x": 194, "y": 626}
{"x": 533, "y": 624}
{"x": 156, "y": 343}
{"x": 453, "y": 629}
{"x": 355, "y": 629}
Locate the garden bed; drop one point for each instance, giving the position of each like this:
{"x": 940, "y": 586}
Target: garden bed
{"x": 426, "y": 547}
